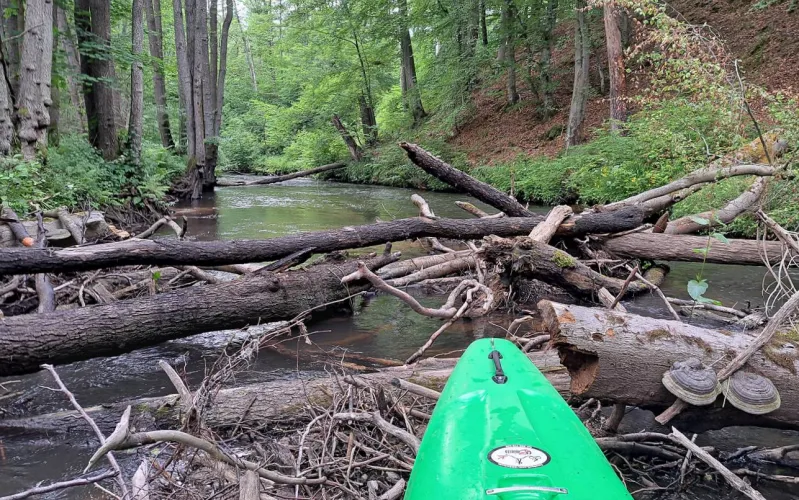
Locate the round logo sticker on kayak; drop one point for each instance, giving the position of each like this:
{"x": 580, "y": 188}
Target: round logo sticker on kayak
{"x": 519, "y": 456}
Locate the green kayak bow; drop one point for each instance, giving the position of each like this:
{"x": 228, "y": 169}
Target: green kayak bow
{"x": 500, "y": 431}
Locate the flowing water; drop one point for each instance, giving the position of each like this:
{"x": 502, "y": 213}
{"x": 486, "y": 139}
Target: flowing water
{"x": 381, "y": 328}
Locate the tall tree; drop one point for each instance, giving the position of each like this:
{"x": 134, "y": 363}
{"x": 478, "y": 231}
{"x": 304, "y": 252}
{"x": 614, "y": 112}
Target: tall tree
{"x": 618, "y": 79}
{"x": 6, "y": 121}
{"x": 247, "y": 50}
{"x": 93, "y": 23}
{"x": 36, "y": 61}
{"x": 10, "y": 62}
{"x": 12, "y": 22}
{"x": 222, "y": 73}
{"x": 184, "y": 76}
{"x": 545, "y": 63}
{"x": 508, "y": 51}
{"x": 55, "y": 91}
{"x": 582, "y": 54}
{"x": 155, "y": 37}
{"x": 410, "y": 90}
{"x": 136, "y": 119}
{"x": 66, "y": 39}
{"x": 483, "y": 23}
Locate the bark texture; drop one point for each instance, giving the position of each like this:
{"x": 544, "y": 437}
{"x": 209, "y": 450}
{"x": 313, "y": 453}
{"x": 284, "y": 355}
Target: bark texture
{"x": 681, "y": 248}
{"x": 618, "y": 78}
{"x": 582, "y": 65}
{"x": 410, "y": 90}
{"x": 352, "y": 146}
{"x": 155, "y": 37}
{"x": 111, "y": 329}
{"x": 36, "y": 63}
{"x": 184, "y": 76}
{"x": 545, "y": 59}
{"x": 597, "y": 346}
{"x": 66, "y": 38}
{"x": 136, "y": 119}
{"x": 252, "y": 404}
{"x": 508, "y": 51}
{"x": 211, "y": 253}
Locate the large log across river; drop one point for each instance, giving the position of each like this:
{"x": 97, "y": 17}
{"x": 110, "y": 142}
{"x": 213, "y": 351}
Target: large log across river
{"x": 212, "y": 253}
{"x": 621, "y": 358}
{"x": 110, "y": 329}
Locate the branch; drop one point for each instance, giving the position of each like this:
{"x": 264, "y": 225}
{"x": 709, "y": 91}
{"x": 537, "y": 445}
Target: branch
{"x": 544, "y": 232}
{"x": 382, "y": 424}
{"x": 40, "y": 490}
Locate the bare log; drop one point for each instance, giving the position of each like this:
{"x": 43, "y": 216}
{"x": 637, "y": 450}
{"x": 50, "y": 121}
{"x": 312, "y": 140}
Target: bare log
{"x": 681, "y": 248}
{"x": 109, "y": 329}
{"x": 68, "y": 223}
{"x": 605, "y": 350}
{"x": 91, "y": 225}
{"x": 17, "y": 229}
{"x": 212, "y": 253}
{"x": 228, "y": 181}
{"x": 544, "y": 231}
{"x": 405, "y": 267}
{"x": 469, "y": 207}
{"x": 252, "y": 404}
{"x": 437, "y": 271}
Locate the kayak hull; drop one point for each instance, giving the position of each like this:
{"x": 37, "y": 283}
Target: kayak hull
{"x": 508, "y": 440}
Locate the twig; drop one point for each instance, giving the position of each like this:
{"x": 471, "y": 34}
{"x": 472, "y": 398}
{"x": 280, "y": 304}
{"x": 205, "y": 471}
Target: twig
{"x": 394, "y": 492}
{"x": 751, "y": 115}
{"x": 416, "y": 389}
{"x": 659, "y": 292}
{"x": 623, "y": 290}
{"x": 734, "y": 481}
{"x": 382, "y": 424}
{"x": 111, "y": 460}
{"x": 40, "y": 490}
{"x": 424, "y": 208}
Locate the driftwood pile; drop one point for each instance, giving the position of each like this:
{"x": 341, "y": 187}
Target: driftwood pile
{"x": 347, "y": 436}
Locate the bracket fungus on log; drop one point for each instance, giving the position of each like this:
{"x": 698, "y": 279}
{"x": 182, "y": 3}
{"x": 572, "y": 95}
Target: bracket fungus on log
{"x": 692, "y": 382}
{"x": 751, "y": 393}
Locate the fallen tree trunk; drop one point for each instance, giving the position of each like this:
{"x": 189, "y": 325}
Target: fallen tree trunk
{"x": 212, "y": 253}
{"x": 253, "y": 405}
{"x": 57, "y": 234}
{"x": 228, "y": 182}
{"x": 681, "y": 248}
{"x": 622, "y": 357}
{"x": 109, "y": 329}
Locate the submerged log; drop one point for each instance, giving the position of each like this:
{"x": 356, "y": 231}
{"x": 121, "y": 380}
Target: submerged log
{"x": 256, "y": 404}
{"x": 109, "y": 329}
{"x": 677, "y": 247}
{"x": 212, "y": 253}
{"x": 227, "y": 182}
{"x": 622, "y": 357}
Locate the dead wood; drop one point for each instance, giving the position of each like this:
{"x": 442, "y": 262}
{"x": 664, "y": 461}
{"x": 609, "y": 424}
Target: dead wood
{"x": 546, "y": 230}
{"x": 681, "y": 248}
{"x": 17, "y": 229}
{"x": 102, "y": 330}
{"x": 92, "y": 226}
{"x": 252, "y": 405}
{"x": 409, "y": 266}
{"x": 436, "y": 271}
{"x": 230, "y": 181}
{"x": 605, "y": 350}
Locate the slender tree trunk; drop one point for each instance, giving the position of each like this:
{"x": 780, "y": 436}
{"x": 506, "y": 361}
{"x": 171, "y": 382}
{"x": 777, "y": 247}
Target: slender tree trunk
{"x": 34, "y": 83}
{"x": 6, "y": 123}
{"x": 508, "y": 51}
{"x": 55, "y": 92}
{"x": 618, "y": 79}
{"x": 93, "y": 20}
{"x": 368, "y": 122}
{"x": 136, "y": 120}
{"x": 352, "y": 146}
{"x": 155, "y": 38}
{"x": 545, "y": 63}
{"x": 582, "y": 54}
{"x": 247, "y": 51}
{"x": 7, "y": 51}
{"x": 68, "y": 45}
{"x": 483, "y": 23}
{"x": 410, "y": 91}
{"x": 184, "y": 79}
{"x": 220, "y": 78}
{"x": 208, "y": 107}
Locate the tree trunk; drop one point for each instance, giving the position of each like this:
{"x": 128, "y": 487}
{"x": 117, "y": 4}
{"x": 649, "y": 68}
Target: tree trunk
{"x": 198, "y": 41}
{"x": 545, "y": 62}
{"x": 508, "y": 51}
{"x": 483, "y": 24}
{"x": 156, "y": 41}
{"x": 582, "y": 55}
{"x": 55, "y": 93}
{"x": 93, "y": 22}
{"x": 111, "y": 329}
{"x": 618, "y": 78}
{"x": 184, "y": 77}
{"x": 36, "y": 64}
{"x": 68, "y": 45}
{"x": 211, "y": 253}
{"x": 368, "y": 121}
{"x": 136, "y": 120}
{"x": 6, "y": 120}
{"x": 252, "y": 404}
{"x": 605, "y": 350}
{"x": 220, "y": 82}
{"x": 11, "y": 28}
{"x": 280, "y": 178}
{"x": 247, "y": 51}
{"x": 208, "y": 90}
{"x": 410, "y": 91}
{"x": 352, "y": 146}
{"x": 675, "y": 247}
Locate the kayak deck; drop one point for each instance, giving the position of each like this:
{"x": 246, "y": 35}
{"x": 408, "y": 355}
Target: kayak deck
{"x": 512, "y": 439}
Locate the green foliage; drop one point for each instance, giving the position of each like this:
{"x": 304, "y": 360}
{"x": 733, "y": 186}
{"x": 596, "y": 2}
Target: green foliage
{"x": 74, "y": 174}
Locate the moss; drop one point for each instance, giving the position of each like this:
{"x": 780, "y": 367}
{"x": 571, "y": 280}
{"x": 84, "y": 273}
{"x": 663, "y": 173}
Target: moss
{"x": 697, "y": 341}
{"x": 563, "y": 260}
{"x": 658, "y": 334}
{"x": 781, "y": 358}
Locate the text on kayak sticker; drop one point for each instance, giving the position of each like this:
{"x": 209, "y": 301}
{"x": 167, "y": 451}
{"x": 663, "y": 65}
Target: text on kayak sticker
{"x": 518, "y": 456}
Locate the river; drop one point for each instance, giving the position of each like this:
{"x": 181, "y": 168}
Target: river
{"x": 382, "y": 328}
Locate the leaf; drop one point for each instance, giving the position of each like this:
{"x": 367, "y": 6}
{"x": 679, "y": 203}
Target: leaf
{"x": 700, "y": 220}
{"x": 721, "y": 238}
{"x": 697, "y": 288}
{"x": 701, "y": 251}
{"x": 156, "y": 275}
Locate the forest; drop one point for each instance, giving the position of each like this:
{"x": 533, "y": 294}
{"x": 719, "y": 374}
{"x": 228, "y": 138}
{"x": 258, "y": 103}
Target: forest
{"x": 244, "y": 243}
